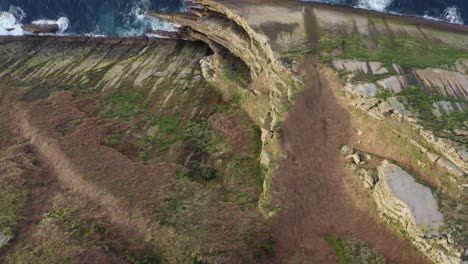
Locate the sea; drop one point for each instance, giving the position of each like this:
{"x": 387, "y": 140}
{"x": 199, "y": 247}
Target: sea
{"x": 126, "y": 18}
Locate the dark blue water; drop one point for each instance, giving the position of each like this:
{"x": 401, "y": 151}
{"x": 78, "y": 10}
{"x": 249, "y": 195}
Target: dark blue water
{"x": 99, "y": 17}
{"x": 124, "y": 17}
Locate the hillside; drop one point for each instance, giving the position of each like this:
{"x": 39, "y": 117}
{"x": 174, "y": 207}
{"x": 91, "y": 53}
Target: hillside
{"x": 260, "y": 132}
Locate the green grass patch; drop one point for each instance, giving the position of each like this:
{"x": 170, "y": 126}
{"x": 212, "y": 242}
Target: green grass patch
{"x": 12, "y": 203}
{"x": 168, "y": 124}
{"x": 405, "y": 52}
{"x": 123, "y": 104}
{"x": 337, "y": 245}
{"x": 422, "y": 102}
{"x": 353, "y": 251}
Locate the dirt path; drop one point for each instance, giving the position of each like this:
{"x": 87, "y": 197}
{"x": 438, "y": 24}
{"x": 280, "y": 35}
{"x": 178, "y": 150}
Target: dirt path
{"x": 310, "y": 183}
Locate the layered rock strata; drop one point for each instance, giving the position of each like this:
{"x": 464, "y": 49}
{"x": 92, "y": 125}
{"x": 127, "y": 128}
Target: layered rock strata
{"x": 223, "y": 30}
{"x": 407, "y": 204}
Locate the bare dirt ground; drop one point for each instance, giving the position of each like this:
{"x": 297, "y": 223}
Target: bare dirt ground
{"x": 311, "y": 186}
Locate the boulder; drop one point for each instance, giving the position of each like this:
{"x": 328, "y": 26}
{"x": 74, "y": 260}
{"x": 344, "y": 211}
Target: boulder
{"x": 356, "y": 159}
{"x": 347, "y": 150}
{"x": 41, "y": 28}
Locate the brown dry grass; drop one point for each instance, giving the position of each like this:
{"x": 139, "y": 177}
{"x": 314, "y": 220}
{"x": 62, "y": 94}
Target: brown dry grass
{"x": 311, "y": 185}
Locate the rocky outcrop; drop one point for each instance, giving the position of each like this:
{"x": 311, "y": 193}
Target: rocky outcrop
{"x": 445, "y": 107}
{"x": 394, "y": 84}
{"x": 412, "y": 206}
{"x": 223, "y": 30}
{"x": 450, "y": 84}
{"x": 401, "y": 198}
{"x": 363, "y": 89}
{"x": 354, "y": 66}
{"x": 41, "y": 28}
{"x": 456, "y": 153}
{"x": 446, "y": 83}
{"x": 405, "y": 203}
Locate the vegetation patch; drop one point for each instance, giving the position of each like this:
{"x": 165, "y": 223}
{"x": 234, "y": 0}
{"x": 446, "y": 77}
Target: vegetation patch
{"x": 14, "y": 200}
{"x": 71, "y": 126}
{"x": 353, "y": 251}
{"x": 64, "y": 235}
{"x": 421, "y": 102}
{"x": 409, "y": 53}
{"x": 124, "y": 104}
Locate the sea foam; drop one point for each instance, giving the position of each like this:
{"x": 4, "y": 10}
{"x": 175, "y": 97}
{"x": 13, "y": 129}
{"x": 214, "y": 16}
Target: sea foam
{"x": 377, "y": 5}
{"x": 11, "y": 22}
{"x": 451, "y": 14}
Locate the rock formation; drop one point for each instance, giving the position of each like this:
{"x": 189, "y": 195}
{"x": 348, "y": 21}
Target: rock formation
{"x": 408, "y": 205}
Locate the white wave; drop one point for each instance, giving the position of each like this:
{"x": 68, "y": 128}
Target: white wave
{"x": 136, "y": 22}
{"x": 10, "y": 22}
{"x": 17, "y": 12}
{"x": 451, "y": 15}
{"x": 9, "y": 26}
{"x": 63, "y": 23}
{"x": 377, "y": 5}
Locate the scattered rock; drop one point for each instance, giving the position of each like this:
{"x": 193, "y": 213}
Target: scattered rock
{"x": 365, "y": 89}
{"x": 356, "y": 159}
{"x": 380, "y": 111}
{"x": 368, "y": 178}
{"x": 359, "y": 132}
{"x": 398, "y": 107}
{"x": 347, "y": 150}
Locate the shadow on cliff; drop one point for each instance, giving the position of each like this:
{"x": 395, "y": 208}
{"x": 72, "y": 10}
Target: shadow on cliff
{"x": 310, "y": 186}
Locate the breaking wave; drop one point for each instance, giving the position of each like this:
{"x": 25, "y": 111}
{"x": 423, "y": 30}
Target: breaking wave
{"x": 377, "y": 5}
{"x": 131, "y": 22}
{"x": 451, "y": 14}
{"x": 126, "y": 17}
{"x": 136, "y": 22}
{"x": 11, "y": 22}
{"x": 63, "y": 23}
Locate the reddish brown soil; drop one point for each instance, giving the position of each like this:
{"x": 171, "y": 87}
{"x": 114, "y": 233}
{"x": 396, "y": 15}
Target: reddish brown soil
{"x": 310, "y": 184}
{"x": 21, "y": 167}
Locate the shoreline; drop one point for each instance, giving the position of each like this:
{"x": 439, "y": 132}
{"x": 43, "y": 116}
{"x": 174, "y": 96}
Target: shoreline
{"x": 412, "y": 19}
